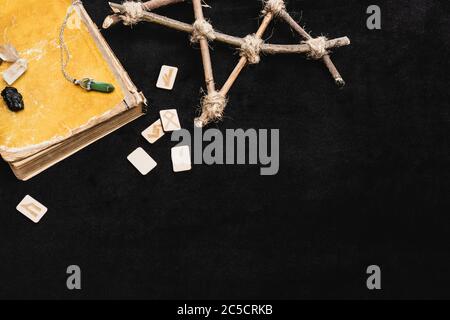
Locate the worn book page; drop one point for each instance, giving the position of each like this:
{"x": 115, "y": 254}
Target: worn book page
{"x": 55, "y": 109}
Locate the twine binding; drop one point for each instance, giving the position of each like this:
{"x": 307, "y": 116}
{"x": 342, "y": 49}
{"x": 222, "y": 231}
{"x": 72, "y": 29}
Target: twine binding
{"x": 134, "y": 11}
{"x": 276, "y": 7}
{"x": 213, "y": 107}
{"x": 318, "y": 47}
{"x": 202, "y": 30}
{"x": 251, "y": 48}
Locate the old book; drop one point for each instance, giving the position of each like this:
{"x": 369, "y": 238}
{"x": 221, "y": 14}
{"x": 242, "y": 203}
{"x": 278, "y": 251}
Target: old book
{"x": 59, "y": 118}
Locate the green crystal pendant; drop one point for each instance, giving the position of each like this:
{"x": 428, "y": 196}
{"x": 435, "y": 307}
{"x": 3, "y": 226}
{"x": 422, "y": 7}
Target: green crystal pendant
{"x": 92, "y": 85}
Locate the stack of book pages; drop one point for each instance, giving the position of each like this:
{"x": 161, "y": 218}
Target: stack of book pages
{"x": 59, "y": 118}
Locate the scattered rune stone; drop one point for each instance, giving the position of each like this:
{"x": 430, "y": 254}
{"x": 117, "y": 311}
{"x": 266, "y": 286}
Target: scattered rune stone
{"x": 13, "y": 99}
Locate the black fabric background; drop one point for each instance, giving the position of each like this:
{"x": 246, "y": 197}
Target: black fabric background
{"x": 364, "y": 171}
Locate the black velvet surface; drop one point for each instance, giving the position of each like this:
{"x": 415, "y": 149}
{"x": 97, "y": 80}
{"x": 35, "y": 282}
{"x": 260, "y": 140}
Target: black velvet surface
{"x": 364, "y": 171}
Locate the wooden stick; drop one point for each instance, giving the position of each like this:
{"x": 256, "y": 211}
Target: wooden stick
{"x": 301, "y": 48}
{"x": 152, "y": 17}
{"x": 204, "y": 47}
{"x": 306, "y": 36}
{"x": 149, "y": 6}
{"x": 155, "y": 4}
{"x": 243, "y": 61}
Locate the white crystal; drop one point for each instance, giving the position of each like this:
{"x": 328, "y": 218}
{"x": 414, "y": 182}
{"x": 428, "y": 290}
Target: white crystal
{"x": 15, "y": 71}
{"x": 8, "y": 53}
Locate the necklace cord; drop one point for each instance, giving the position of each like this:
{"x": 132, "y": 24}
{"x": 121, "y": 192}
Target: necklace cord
{"x": 65, "y": 54}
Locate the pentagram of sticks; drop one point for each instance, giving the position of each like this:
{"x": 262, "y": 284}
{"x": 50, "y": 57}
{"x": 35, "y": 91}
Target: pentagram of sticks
{"x": 213, "y": 103}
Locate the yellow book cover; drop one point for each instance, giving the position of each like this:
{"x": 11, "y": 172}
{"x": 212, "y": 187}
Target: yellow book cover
{"x": 55, "y": 109}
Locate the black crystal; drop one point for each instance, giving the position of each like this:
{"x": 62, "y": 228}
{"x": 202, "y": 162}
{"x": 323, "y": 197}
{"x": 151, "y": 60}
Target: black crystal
{"x": 13, "y": 99}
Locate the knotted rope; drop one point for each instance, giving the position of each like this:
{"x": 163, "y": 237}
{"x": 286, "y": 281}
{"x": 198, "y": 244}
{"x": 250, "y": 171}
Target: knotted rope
{"x": 318, "y": 47}
{"x": 274, "y": 6}
{"x": 251, "y": 48}
{"x": 133, "y": 13}
{"x": 202, "y": 30}
{"x": 213, "y": 106}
